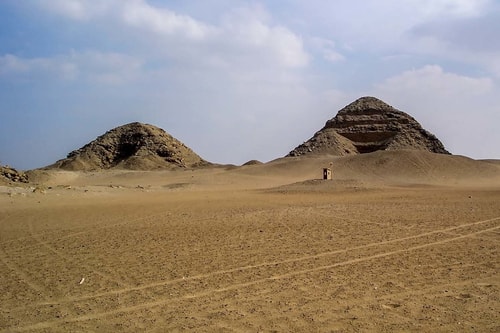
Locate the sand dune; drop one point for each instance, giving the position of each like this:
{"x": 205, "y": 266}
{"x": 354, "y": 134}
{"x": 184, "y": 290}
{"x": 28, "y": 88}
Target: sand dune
{"x": 384, "y": 168}
{"x": 397, "y": 241}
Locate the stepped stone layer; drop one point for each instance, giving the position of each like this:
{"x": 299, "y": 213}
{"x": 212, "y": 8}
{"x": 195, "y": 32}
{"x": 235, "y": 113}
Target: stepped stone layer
{"x": 367, "y": 125}
{"x": 132, "y": 146}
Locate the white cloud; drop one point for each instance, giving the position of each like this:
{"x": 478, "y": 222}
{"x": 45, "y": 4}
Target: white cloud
{"x": 17, "y": 67}
{"x": 431, "y": 80}
{"x": 94, "y": 67}
{"x": 78, "y": 9}
{"x": 457, "y": 8}
{"x": 436, "y": 94}
{"x": 140, "y": 14}
{"x": 287, "y": 47}
{"x": 471, "y": 40}
{"x": 460, "y": 110}
{"x": 135, "y": 13}
{"x": 108, "y": 68}
{"x": 378, "y": 26}
{"x": 11, "y": 64}
{"x": 327, "y": 49}
{"x": 70, "y": 8}
{"x": 246, "y": 32}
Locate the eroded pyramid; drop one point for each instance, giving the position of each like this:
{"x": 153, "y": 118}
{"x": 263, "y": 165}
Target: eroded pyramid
{"x": 367, "y": 125}
{"x": 133, "y": 146}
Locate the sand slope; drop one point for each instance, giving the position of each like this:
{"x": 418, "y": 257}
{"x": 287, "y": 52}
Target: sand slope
{"x": 379, "y": 168}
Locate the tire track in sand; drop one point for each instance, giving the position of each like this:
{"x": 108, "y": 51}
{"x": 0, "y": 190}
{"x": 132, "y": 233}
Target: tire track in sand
{"x": 279, "y": 262}
{"x": 273, "y": 278}
{"x": 237, "y": 286}
{"x": 64, "y": 257}
{"x": 87, "y": 229}
{"x": 4, "y": 258}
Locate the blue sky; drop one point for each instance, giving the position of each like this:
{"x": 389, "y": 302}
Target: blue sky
{"x": 241, "y": 80}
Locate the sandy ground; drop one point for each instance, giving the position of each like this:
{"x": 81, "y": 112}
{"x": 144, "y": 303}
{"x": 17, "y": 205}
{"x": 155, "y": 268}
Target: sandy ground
{"x": 263, "y": 248}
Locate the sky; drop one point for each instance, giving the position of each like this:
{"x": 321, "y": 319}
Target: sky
{"x": 241, "y": 80}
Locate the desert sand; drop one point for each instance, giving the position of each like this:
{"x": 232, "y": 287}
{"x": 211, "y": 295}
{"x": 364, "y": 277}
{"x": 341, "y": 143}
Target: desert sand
{"x": 401, "y": 241}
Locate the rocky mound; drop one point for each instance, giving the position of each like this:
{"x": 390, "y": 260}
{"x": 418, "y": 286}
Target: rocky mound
{"x": 133, "y": 146}
{"x": 9, "y": 174}
{"x": 367, "y": 125}
{"x": 252, "y": 162}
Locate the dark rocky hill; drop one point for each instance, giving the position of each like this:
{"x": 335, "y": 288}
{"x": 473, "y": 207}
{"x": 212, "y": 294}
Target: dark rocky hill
{"x": 367, "y": 125}
{"x": 133, "y": 146}
{"x": 8, "y": 174}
